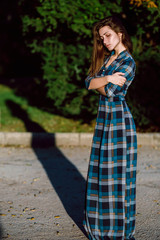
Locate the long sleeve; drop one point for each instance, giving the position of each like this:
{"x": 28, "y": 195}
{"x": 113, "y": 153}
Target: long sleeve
{"x": 88, "y": 80}
{"x": 97, "y": 75}
{"x": 127, "y": 67}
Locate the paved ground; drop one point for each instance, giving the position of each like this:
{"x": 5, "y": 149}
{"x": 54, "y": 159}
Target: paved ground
{"x": 42, "y": 193}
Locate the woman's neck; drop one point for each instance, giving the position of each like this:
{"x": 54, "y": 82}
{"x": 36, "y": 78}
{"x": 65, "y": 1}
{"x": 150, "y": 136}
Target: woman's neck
{"x": 120, "y": 48}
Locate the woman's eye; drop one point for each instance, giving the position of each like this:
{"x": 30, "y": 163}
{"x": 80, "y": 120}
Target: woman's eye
{"x": 108, "y": 35}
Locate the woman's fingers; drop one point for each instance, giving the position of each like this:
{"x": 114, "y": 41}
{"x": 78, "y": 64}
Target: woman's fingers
{"x": 118, "y": 78}
{"x": 119, "y": 73}
{"x": 121, "y": 81}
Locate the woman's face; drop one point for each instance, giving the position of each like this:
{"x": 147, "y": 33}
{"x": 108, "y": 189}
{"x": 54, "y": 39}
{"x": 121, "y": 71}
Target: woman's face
{"x": 110, "y": 38}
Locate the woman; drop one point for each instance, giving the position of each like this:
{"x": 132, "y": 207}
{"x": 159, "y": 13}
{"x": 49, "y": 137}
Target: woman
{"x": 111, "y": 181}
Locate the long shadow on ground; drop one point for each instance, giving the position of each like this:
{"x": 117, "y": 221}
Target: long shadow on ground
{"x": 64, "y": 176}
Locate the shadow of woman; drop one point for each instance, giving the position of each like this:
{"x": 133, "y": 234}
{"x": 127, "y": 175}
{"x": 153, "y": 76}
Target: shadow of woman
{"x": 66, "y": 179}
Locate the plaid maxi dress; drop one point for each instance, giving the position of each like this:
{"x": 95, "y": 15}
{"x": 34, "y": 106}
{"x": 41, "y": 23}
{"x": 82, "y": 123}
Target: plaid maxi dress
{"x": 111, "y": 181}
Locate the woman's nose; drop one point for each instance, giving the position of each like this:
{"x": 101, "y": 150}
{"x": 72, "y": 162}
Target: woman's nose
{"x": 104, "y": 40}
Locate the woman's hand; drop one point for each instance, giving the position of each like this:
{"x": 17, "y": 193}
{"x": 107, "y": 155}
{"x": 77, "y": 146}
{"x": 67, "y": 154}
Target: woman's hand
{"x": 117, "y": 78}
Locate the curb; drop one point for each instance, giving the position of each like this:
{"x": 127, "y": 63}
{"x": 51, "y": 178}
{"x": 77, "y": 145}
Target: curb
{"x": 29, "y": 139}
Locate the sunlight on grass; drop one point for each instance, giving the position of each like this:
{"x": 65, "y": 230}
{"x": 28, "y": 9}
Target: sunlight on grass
{"x": 9, "y": 122}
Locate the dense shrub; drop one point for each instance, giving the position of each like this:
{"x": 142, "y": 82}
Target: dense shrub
{"x": 60, "y": 31}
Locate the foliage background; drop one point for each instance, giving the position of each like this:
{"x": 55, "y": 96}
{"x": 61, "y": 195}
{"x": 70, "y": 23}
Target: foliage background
{"x": 57, "y": 38}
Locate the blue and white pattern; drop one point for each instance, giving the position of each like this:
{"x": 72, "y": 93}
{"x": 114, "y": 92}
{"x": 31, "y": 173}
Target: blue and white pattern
{"x": 111, "y": 182}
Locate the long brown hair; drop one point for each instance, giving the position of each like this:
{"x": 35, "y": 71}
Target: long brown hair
{"x": 99, "y": 51}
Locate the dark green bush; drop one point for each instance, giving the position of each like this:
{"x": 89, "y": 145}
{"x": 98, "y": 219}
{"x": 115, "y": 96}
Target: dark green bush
{"x": 60, "y": 31}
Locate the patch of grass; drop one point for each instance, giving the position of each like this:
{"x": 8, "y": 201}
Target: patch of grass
{"x": 16, "y": 115}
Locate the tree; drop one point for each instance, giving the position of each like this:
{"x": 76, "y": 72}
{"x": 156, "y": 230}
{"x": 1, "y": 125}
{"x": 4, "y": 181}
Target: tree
{"x": 60, "y": 31}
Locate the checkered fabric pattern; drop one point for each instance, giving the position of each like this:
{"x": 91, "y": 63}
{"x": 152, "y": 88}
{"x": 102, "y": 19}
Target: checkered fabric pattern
{"x": 111, "y": 181}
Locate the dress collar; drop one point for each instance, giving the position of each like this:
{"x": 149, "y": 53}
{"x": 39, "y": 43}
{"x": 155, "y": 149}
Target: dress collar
{"x": 120, "y": 55}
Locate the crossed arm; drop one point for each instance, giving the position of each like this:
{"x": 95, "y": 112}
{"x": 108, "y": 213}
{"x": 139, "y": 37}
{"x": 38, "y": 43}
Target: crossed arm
{"x": 110, "y": 85}
{"x": 99, "y": 83}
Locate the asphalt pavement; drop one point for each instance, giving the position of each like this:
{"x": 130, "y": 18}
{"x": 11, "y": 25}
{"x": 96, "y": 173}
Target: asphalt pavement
{"x": 42, "y": 193}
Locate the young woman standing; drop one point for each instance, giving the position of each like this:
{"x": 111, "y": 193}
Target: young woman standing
{"x": 111, "y": 182}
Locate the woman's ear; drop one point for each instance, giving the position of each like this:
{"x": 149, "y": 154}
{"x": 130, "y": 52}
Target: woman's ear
{"x": 120, "y": 36}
